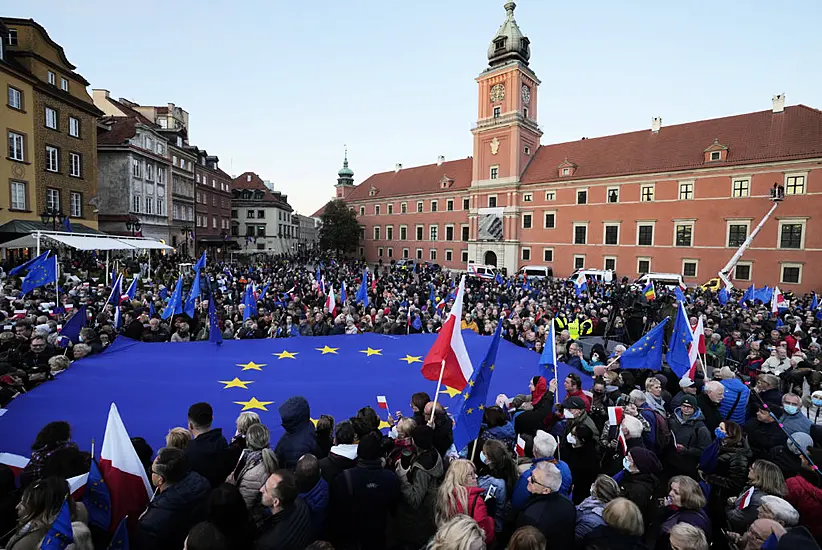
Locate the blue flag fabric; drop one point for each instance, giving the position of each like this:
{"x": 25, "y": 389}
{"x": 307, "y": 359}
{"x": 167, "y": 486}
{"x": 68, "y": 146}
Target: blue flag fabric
{"x": 163, "y": 294}
{"x": 200, "y": 263}
{"x": 748, "y": 296}
{"x": 264, "y": 291}
{"x": 116, "y": 291}
{"x": 814, "y": 302}
{"x": 563, "y": 370}
{"x": 779, "y": 322}
{"x": 432, "y": 296}
{"x": 679, "y": 294}
{"x": 97, "y": 498}
{"x": 416, "y": 324}
{"x": 29, "y": 264}
{"x": 132, "y": 289}
{"x": 723, "y": 296}
{"x": 250, "y": 303}
{"x": 549, "y": 352}
{"x": 498, "y": 279}
{"x": 152, "y": 311}
{"x": 337, "y": 380}
{"x": 646, "y": 353}
{"x": 59, "y": 534}
{"x": 175, "y": 303}
{"x": 193, "y": 294}
{"x": 74, "y": 325}
{"x": 362, "y": 293}
{"x": 343, "y": 294}
{"x": 40, "y": 274}
{"x": 120, "y": 539}
{"x": 67, "y": 225}
{"x": 681, "y": 338}
{"x": 214, "y": 332}
{"x": 469, "y": 418}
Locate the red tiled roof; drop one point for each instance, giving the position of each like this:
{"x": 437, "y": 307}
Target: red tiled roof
{"x": 129, "y": 112}
{"x": 416, "y": 180}
{"x": 256, "y": 184}
{"x": 121, "y": 130}
{"x": 319, "y": 212}
{"x": 795, "y": 133}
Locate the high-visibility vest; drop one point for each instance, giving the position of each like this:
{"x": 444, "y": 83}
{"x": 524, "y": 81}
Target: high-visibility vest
{"x": 561, "y": 323}
{"x": 573, "y": 329}
{"x": 586, "y": 328}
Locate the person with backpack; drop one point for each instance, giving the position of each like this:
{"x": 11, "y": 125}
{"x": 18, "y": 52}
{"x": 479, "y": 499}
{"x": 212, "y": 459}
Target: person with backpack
{"x": 658, "y": 438}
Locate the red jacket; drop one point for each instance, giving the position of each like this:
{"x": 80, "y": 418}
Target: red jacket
{"x": 478, "y": 511}
{"x": 807, "y": 499}
{"x": 582, "y": 395}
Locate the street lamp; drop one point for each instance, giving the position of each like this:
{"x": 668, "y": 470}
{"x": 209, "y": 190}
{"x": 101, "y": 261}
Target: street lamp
{"x": 55, "y": 217}
{"x": 134, "y": 226}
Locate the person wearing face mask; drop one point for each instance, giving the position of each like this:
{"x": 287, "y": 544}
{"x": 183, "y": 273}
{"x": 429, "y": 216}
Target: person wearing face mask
{"x": 794, "y": 419}
{"x": 813, "y": 408}
{"x": 575, "y": 415}
{"x": 638, "y": 480}
{"x": 579, "y": 450}
{"x": 496, "y": 468}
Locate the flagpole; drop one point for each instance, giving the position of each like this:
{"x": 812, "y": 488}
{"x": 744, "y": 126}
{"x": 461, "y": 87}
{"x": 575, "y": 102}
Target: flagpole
{"x": 92, "y": 448}
{"x": 437, "y": 395}
{"x": 107, "y": 268}
{"x": 474, "y": 448}
{"x": 56, "y": 281}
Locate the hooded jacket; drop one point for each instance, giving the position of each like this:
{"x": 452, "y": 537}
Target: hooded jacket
{"x": 415, "y": 514}
{"x": 299, "y": 437}
{"x": 807, "y": 499}
{"x": 209, "y": 456}
{"x": 589, "y": 516}
{"x": 339, "y": 459}
{"x": 172, "y": 514}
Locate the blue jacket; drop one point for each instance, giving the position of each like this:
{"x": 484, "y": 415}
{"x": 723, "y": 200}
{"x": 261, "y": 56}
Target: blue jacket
{"x": 589, "y": 516}
{"x": 734, "y": 387}
{"x": 317, "y": 501}
{"x": 486, "y": 482}
{"x": 299, "y": 437}
{"x": 521, "y": 494}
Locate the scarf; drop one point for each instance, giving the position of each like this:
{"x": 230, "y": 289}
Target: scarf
{"x": 41, "y": 455}
{"x": 656, "y": 403}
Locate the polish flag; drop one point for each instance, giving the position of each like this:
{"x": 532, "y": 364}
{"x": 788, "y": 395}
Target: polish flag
{"x": 330, "y": 301}
{"x": 520, "y": 446}
{"x": 20, "y": 314}
{"x": 123, "y": 472}
{"x": 77, "y": 485}
{"x": 382, "y": 402}
{"x": 16, "y": 462}
{"x": 777, "y": 300}
{"x": 697, "y": 346}
{"x": 448, "y": 357}
{"x": 745, "y": 499}
{"x": 615, "y": 416}
{"x": 373, "y": 283}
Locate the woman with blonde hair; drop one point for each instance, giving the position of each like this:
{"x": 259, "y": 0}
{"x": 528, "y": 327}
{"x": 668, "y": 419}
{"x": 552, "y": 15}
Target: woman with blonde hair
{"x": 253, "y": 469}
{"x": 527, "y": 538}
{"x": 764, "y": 478}
{"x": 178, "y": 438}
{"x": 686, "y": 499}
{"x": 622, "y": 530}
{"x": 41, "y": 502}
{"x": 459, "y": 494}
{"x": 458, "y": 533}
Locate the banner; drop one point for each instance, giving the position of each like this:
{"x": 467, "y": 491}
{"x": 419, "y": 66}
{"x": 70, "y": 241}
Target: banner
{"x": 490, "y": 224}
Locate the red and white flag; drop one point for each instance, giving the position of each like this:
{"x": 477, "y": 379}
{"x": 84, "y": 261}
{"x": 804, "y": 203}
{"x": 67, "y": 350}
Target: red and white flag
{"x": 19, "y": 314}
{"x": 330, "y": 301}
{"x": 615, "y": 416}
{"x": 777, "y": 300}
{"x": 382, "y": 402}
{"x": 520, "y": 446}
{"x": 697, "y": 346}
{"x": 124, "y": 473}
{"x": 15, "y": 462}
{"x": 623, "y": 443}
{"x": 448, "y": 352}
{"x": 745, "y": 499}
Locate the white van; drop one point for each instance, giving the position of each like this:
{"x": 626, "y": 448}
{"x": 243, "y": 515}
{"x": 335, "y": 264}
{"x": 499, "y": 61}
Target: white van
{"x": 669, "y": 280}
{"x": 598, "y": 275}
{"x": 535, "y": 271}
{"x": 482, "y": 271}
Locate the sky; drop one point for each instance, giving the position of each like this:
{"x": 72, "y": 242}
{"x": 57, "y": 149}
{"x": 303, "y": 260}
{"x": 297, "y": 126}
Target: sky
{"x": 279, "y": 88}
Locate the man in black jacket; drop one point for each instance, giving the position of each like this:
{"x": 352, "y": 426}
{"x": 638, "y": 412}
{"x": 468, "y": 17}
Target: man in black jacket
{"x": 289, "y": 526}
{"x": 547, "y": 509}
{"x": 343, "y": 454}
{"x": 207, "y": 453}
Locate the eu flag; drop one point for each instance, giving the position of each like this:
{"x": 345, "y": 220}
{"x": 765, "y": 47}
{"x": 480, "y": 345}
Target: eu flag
{"x": 200, "y": 263}
{"x": 151, "y": 310}
{"x": 163, "y": 294}
{"x": 498, "y": 279}
{"x": 469, "y": 418}
{"x": 59, "y": 534}
{"x": 343, "y": 294}
{"x": 116, "y": 290}
{"x": 175, "y": 303}
{"x": 432, "y": 297}
{"x": 29, "y": 264}
{"x": 42, "y": 273}
{"x": 75, "y": 324}
{"x": 120, "y": 539}
{"x": 814, "y": 302}
{"x": 67, "y": 225}
{"x": 748, "y": 296}
{"x": 548, "y": 359}
{"x": 723, "y": 296}
{"x": 193, "y": 294}
{"x": 646, "y": 353}
{"x": 132, "y": 289}
{"x": 679, "y": 294}
{"x": 97, "y": 498}
{"x": 214, "y": 332}
{"x": 362, "y": 293}
{"x": 250, "y": 303}
{"x": 681, "y": 338}
{"x": 416, "y": 323}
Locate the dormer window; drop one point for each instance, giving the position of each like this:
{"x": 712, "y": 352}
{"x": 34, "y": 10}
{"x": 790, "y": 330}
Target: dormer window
{"x": 716, "y": 152}
{"x": 248, "y": 177}
{"x": 523, "y": 45}
{"x": 499, "y": 44}
{"x": 247, "y": 194}
{"x": 372, "y": 192}
{"x": 566, "y": 171}
{"x": 716, "y": 155}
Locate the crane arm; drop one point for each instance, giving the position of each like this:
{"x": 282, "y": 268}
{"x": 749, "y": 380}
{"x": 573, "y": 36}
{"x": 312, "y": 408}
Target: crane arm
{"x": 723, "y": 274}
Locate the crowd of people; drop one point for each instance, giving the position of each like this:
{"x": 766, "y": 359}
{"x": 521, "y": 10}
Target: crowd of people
{"x": 726, "y": 457}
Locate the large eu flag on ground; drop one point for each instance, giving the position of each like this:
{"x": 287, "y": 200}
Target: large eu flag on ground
{"x": 153, "y": 384}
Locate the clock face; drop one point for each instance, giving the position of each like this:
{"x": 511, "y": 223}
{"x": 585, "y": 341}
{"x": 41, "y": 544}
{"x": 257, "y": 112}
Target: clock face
{"x": 526, "y": 94}
{"x": 498, "y": 92}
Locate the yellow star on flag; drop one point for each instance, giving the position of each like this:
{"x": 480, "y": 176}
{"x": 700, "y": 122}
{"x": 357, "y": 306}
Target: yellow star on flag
{"x": 326, "y": 349}
{"x": 314, "y": 421}
{"x": 411, "y": 358}
{"x": 471, "y": 383}
{"x": 286, "y": 354}
{"x": 450, "y": 391}
{"x": 481, "y": 407}
{"x": 236, "y": 383}
{"x": 384, "y": 424}
{"x": 369, "y": 352}
{"x": 254, "y": 404}
{"x": 251, "y": 365}
{"x": 469, "y": 410}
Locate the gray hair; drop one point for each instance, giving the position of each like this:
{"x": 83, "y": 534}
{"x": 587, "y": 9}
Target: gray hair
{"x": 553, "y": 478}
{"x": 59, "y": 363}
{"x": 769, "y": 379}
{"x": 246, "y": 420}
{"x": 781, "y": 510}
{"x": 633, "y": 426}
{"x": 605, "y": 489}
{"x": 258, "y": 437}
{"x": 82, "y": 347}
{"x": 544, "y": 445}
{"x": 691, "y": 537}
{"x": 637, "y": 397}
{"x": 713, "y": 386}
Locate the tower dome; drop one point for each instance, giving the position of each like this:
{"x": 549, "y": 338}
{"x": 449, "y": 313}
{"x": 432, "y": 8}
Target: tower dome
{"x": 345, "y": 171}
{"x": 509, "y": 42}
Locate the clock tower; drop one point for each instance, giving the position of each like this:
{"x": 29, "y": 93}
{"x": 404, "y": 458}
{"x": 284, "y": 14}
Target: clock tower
{"x": 506, "y": 136}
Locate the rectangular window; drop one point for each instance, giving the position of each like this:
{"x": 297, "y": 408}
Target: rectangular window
{"x": 790, "y": 235}
{"x": 492, "y": 201}
{"x": 15, "y": 98}
{"x": 646, "y": 193}
{"x": 249, "y": 214}
{"x": 643, "y": 265}
{"x": 433, "y": 232}
{"x": 494, "y": 172}
{"x": 149, "y": 172}
{"x": 418, "y": 253}
{"x": 613, "y": 195}
{"x": 526, "y": 254}
{"x": 433, "y": 206}
{"x": 75, "y": 164}
{"x": 376, "y": 209}
{"x": 464, "y": 229}
{"x": 380, "y": 252}
{"x": 449, "y": 255}
{"x": 260, "y": 213}
{"x": 497, "y": 112}
{"x": 449, "y": 205}
{"x": 610, "y": 263}
{"x": 390, "y": 252}
{"x": 403, "y": 233}
{"x": 466, "y": 204}
{"x": 53, "y": 200}
{"x": 161, "y": 175}
{"x": 403, "y": 208}
{"x": 419, "y": 206}
{"x": 420, "y": 231}
{"x": 795, "y": 185}
{"x": 791, "y": 274}
{"x": 550, "y": 196}
{"x": 150, "y": 208}
{"x": 550, "y": 220}
{"x": 740, "y": 188}
{"x": 645, "y": 235}
{"x": 580, "y": 234}
{"x": 136, "y": 168}
{"x": 527, "y": 197}
{"x": 362, "y": 211}
{"x": 52, "y": 78}
{"x": 716, "y": 155}
{"x": 389, "y": 233}
{"x": 742, "y": 272}
{"x": 547, "y": 254}
{"x": 526, "y": 221}
{"x": 464, "y": 255}
{"x": 579, "y": 262}
{"x": 686, "y": 191}
{"x": 51, "y": 118}
{"x": 405, "y": 253}
{"x": 18, "y": 195}
{"x": 737, "y": 233}
{"x": 376, "y": 232}
{"x": 16, "y": 146}
{"x": 432, "y": 254}
{"x": 390, "y": 209}
{"x": 689, "y": 268}
{"x": 582, "y": 196}
{"x": 64, "y": 84}
{"x": 612, "y": 234}
{"x": 449, "y": 232}
{"x": 684, "y": 235}
{"x": 74, "y": 127}
{"x": 52, "y": 159}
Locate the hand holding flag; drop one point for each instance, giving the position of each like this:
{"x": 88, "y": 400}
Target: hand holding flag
{"x": 448, "y": 358}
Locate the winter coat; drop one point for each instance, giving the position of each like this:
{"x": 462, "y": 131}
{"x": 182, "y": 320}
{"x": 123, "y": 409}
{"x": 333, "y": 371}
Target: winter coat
{"x": 710, "y": 411}
{"x": 796, "y": 423}
{"x": 554, "y": 515}
{"x": 692, "y": 434}
{"x": 521, "y": 495}
{"x": 734, "y": 387}
{"x": 300, "y": 437}
{"x": 500, "y": 497}
{"x": 584, "y": 465}
{"x": 697, "y": 518}
{"x": 336, "y": 462}
{"x": 479, "y": 512}
{"x": 443, "y": 430}
{"x": 209, "y": 456}
{"x": 528, "y": 422}
{"x": 415, "y": 514}
{"x": 62, "y": 460}
{"x": 249, "y": 480}
{"x": 739, "y": 519}
{"x": 288, "y": 529}
{"x": 640, "y": 489}
{"x": 317, "y": 501}
{"x": 505, "y": 434}
{"x": 362, "y": 500}
{"x": 773, "y": 397}
{"x": 764, "y": 436}
{"x": 25, "y": 539}
{"x": 807, "y": 499}
{"x": 172, "y": 514}
{"x": 589, "y": 516}
{"x": 730, "y": 475}
{"x": 606, "y": 537}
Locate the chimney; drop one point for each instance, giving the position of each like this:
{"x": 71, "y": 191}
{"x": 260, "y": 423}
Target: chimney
{"x": 440, "y": 160}
{"x": 778, "y": 103}
{"x": 656, "y": 124}
{"x": 397, "y": 167}
{"x": 248, "y": 177}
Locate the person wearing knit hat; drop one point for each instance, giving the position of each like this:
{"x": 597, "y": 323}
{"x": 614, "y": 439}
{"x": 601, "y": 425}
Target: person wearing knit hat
{"x": 764, "y": 433}
{"x": 691, "y": 435}
{"x": 686, "y": 387}
{"x": 639, "y": 482}
{"x": 645, "y": 460}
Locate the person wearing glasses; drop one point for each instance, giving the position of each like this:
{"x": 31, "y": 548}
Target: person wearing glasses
{"x": 691, "y": 436}
{"x": 548, "y": 510}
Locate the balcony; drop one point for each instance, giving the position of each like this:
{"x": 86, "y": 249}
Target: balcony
{"x": 506, "y": 118}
